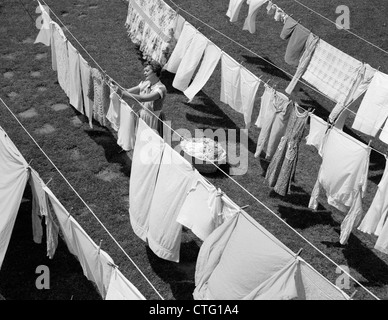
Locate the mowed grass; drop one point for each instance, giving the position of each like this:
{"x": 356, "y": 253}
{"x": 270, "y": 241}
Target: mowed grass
{"x": 91, "y": 160}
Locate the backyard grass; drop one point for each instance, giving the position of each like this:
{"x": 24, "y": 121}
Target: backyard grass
{"x": 91, "y": 160}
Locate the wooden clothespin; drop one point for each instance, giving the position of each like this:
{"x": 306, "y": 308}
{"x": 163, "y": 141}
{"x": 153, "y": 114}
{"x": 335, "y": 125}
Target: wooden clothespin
{"x": 30, "y": 161}
{"x": 99, "y": 247}
{"x": 352, "y": 295}
{"x": 112, "y": 265}
{"x": 49, "y": 181}
{"x": 369, "y": 143}
{"x": 244, "y": 207}
{"x": 299, "y": 252}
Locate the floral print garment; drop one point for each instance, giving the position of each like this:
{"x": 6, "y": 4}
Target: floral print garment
{"x": 150, "y": 24}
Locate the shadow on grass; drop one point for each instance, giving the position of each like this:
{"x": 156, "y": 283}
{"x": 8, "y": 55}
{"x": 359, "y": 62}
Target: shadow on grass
{"x": 180, "y": 275}
{"x": 266, "y": 65}
{"x": 113, "y": 152}
{"x": 18, "y": 273}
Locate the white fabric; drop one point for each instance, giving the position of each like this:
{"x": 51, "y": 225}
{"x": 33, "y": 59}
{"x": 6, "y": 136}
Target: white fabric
{"x": 176, "y": 177}
{"x": 345, "y": 182}
{"x": 318, "y": 128}
{"x": 375, "y": 217}
{"x": 85, "y": 83}
{"x": 373, "y": 110}
{"x": 94, "y": 261}
{"x": 75, "y": 88}
{"x": 250, "y": 21}
{"x": 40, "y": 208}
{"x": 44, "y": 35}
{"x": 238, "y": 87}
{"x": 234, "y": 9}
{"x": 187, "y": 35}
{"x": 121, "y": 289}
{"x": 126, "y": 134}
{"x": 239, "y": 258}
{"x": 209, "y": 62}
{"x": 144, "y": 171}
{"x": 382, "y": 240}
{"x": 198, "y": 211}
{"x": 14, "y": 175}
{"x": 113, "y": 114}
{"x": 265, "y": 101}
{"x": 190, "y": 62}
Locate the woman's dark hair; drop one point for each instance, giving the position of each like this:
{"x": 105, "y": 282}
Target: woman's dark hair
{"x": 155, "y": 66}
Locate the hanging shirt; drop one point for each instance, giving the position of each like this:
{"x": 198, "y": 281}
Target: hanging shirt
{"x": 345, "y": 182}
{"x": 190, "y": 61}
{"x": 86, "y": 83}
{"x": 374, "y": 219}
{"x": 184, "y": 41}
{"x": 274, "y": 120}
{"x": 75, "y": 87}
{"x": 14, "y": 175}
{"x": 205, "y": 208}
{"x": 234, "y": 9}
{"x": 99, "y": 92}
{"x": 282, "y": 167}
{"x": 229, "y": 267}
{"x": 210, "y": 60}
{"x": 44, "y": 35}
{"x": 373, "y": 110}
{"x": 297, "y": 35}
{"x": 250, "y": 21}
{"x": 317, "y": 132}
{"x": 121, "y": 289}
{"x": 266, "y": 99}
{"x": 40, "y": 208}
{"x": 144, "y": 171}
{"x": 176, "y": 177}
{"x": 113, "y": 114}
{"x": 238, "y": 87}
{"x": 126, "y": 135}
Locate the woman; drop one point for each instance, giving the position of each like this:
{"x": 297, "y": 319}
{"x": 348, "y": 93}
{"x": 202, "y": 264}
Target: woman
{"x": 151, "y": 93}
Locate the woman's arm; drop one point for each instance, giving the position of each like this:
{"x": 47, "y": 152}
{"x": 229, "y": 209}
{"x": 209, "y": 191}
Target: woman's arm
{"x": 144, "y": 97}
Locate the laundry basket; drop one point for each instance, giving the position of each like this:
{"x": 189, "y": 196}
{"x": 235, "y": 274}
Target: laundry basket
{"x": 200, "y": 150}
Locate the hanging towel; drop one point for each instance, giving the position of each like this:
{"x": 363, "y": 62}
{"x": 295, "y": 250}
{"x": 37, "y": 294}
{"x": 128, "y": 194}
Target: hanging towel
{"x": 40, "y": 209}
{"x": 181, "y": 47}
{"x": 121, "y": 289}
{"x": 345, "y": 182}
{"x": 86, "y": 80}
{"x": 205, "y": 209}
{"x": 113, "y": 114}
{"x": 373, "y": 110}
{"x": 44, "y": 35}
{"x": 175, "y": 178}
{"x": 304, "y": 61}
{"x": 274, "y": 120}
{"x": 14, "y": 175}
{"x": 250, "y": 21}
{"x": 144, "y": 171}
{"x": 126, "y": 134}
{"x": 266, "y": 99}
{"x": 374, "y": 219}
{"x": 297, "y": 35}
{"x": 238, "y": 87}
{"x": 189, "y": 62}
{"x": 209, "y": 62}
{"x": 75, "y": 87}
{"x": 317, "y": 131}
{"x": 234, "y": 9}
{"x": 281, "y": 169}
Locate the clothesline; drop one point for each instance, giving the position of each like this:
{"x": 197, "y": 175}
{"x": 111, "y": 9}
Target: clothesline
{"x": 78, "y": 195}
{"x": 346, "y": 108}
{"x": 347, "y": 30}
{"x": 231, "y": 178}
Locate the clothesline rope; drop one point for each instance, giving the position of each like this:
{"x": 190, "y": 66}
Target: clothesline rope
{"x": 83, "y": 201}
{"x": 347, "y": 30}
{"x": 254, "y": 53}
{"x": 242, "y": 187}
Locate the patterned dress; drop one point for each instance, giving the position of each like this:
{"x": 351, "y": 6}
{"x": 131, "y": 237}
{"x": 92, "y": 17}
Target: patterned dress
{"x": 99, "y": 93}
{"x": 282, "y": 167}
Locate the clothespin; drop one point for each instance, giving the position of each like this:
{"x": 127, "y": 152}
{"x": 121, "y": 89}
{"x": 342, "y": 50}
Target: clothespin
{"x": 99, "y": 247}
{"x": 244, "y": 207}
{"x": 112, "y": 265}
{"x": 49, "y": 181}
{"x": 30, "y": 161}
{"x": 299, "y": 252}
{"x": 299, "y": 20}
{"x": 353, "y": 294}
{"x": 369, "y": 143}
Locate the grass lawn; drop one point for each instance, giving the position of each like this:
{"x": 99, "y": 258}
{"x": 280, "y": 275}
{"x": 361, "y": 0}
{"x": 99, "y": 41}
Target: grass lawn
{"x": 91, "y": 160}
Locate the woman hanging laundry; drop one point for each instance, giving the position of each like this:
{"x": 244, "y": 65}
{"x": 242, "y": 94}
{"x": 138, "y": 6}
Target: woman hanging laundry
{"x": 151, "y": 93}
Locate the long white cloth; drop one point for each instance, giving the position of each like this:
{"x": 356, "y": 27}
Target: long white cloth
{"x": 121, "y": 289}
{"x": 144, "y": 171}
{"x": 14, "y": 175}
{"x": 126, "y": 134}
{"x": 44, "y": 35}
{"x": 250, "y": 21}
{"x": 75, "y": 88}
{"x": 85, "y": 70}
